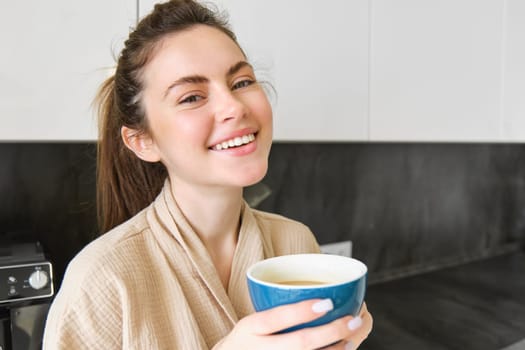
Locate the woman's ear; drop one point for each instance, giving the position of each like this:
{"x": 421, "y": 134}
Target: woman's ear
{"x": 141, "y": 144}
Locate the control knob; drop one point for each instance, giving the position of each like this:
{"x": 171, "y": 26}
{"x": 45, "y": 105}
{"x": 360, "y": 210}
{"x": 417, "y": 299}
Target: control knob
{"x": 38, "y": 279}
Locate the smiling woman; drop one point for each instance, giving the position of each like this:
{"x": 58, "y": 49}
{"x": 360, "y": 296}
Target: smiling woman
{"x": 184, "y": 127}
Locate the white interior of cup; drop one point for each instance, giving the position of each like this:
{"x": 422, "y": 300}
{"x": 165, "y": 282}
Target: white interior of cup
{"x": 329, "y": 269}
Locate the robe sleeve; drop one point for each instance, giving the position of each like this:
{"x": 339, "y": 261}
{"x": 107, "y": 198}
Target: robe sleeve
{"x": 87, "y": 314}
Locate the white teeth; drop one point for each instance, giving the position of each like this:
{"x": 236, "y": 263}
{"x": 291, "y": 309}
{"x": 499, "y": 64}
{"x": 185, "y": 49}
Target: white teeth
{"x": 237, "y": 141}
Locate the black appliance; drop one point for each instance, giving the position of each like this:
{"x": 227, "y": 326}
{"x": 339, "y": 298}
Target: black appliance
{"x": 26, "y": 291}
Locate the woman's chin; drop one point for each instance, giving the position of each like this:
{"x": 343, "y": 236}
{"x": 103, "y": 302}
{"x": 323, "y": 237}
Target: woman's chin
{"x": 253, "y": 175}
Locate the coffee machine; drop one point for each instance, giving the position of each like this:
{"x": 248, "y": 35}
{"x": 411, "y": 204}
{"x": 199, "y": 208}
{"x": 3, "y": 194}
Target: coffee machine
{"x": 26, "y": 291}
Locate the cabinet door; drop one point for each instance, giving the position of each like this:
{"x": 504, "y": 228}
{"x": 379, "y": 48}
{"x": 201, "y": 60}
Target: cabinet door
{"x": 436, "y": 70}
{"x": 514, "y": 78}
{"x": 315, "y": 54}
{"x": 54, "y": 56}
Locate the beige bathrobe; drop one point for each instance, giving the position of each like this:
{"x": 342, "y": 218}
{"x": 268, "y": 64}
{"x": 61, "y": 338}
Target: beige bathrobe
{"x": 150, "y": 283}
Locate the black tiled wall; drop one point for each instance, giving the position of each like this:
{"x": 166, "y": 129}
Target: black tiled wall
{"x": 47, "y": 193}
{"x": 406, "y": 207}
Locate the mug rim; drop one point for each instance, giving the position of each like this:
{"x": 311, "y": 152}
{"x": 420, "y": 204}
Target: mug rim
{"x": 363, "y": 271}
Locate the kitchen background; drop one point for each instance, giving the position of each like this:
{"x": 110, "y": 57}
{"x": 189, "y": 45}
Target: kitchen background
{"x": 399, "y": 125}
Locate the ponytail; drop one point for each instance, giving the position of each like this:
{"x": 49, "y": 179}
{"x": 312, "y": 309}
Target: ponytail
{"x": 125, "y": 183}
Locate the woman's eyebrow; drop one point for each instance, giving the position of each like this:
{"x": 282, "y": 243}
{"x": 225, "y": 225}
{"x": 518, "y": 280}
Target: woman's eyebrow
{"x": 237, "y": 67}
{"x": 192, "y": 79}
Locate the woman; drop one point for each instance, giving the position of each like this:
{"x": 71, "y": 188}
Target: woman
{"x": 184, "y": 127}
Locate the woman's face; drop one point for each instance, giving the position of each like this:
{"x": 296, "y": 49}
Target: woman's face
{"x": 210, "y": 122}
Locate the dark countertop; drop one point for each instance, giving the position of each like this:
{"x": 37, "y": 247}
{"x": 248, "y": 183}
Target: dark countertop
{"x": 479, "y": 306}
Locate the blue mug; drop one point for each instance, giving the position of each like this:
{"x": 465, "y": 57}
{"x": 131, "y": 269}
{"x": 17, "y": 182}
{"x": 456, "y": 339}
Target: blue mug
{"x": 289, "y": 279}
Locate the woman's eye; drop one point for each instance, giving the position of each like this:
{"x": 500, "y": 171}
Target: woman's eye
{"x": 242, "y": 84}
{"x": 191, "y": 99}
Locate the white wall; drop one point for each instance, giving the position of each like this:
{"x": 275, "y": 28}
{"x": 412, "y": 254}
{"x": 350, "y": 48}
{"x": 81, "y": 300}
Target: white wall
{"x": 513, "y": 91}
{"x": 54, "y": 56}
{"x": 447, "y": 70}
{"x": 436, "y": 70}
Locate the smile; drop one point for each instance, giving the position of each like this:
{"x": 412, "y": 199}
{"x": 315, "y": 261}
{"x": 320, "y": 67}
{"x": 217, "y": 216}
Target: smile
{"x": 235, "y": 142}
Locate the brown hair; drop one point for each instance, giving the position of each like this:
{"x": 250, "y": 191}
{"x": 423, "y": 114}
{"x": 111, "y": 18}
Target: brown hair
{"x": 125, "y": 183}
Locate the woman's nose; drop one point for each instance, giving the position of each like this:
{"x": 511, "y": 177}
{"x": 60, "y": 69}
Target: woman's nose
{"x": 229, "y": 106}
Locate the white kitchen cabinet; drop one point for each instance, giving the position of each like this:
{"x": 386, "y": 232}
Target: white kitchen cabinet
{"x": 514, "y": 72}
{"x": 343, "y": 70}
{"x": 436, "y": 69}
{"x": 316, "y": 57}
{"x": 54, "y": 56}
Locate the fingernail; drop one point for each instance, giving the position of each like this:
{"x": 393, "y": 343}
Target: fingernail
{"x": 323, "y": 306}
{"x": 349, "y": 345}
{"x": 355, "y": 323}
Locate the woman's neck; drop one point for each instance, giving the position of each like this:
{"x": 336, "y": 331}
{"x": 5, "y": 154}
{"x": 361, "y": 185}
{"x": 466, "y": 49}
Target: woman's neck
{"x": 214, "y": 213}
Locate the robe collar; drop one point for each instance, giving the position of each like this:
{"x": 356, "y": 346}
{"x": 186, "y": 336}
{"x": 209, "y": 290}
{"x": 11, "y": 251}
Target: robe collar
{"x": 252, "y": 246}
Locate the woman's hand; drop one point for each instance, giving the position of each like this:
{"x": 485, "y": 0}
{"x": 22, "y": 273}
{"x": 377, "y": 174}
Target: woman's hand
{"x": 256, "y": 331}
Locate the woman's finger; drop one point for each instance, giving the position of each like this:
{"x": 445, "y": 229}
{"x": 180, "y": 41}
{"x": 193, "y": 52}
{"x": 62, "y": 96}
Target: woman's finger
{"x": 286, "y": 316}
{"x": 360, "y": 334}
